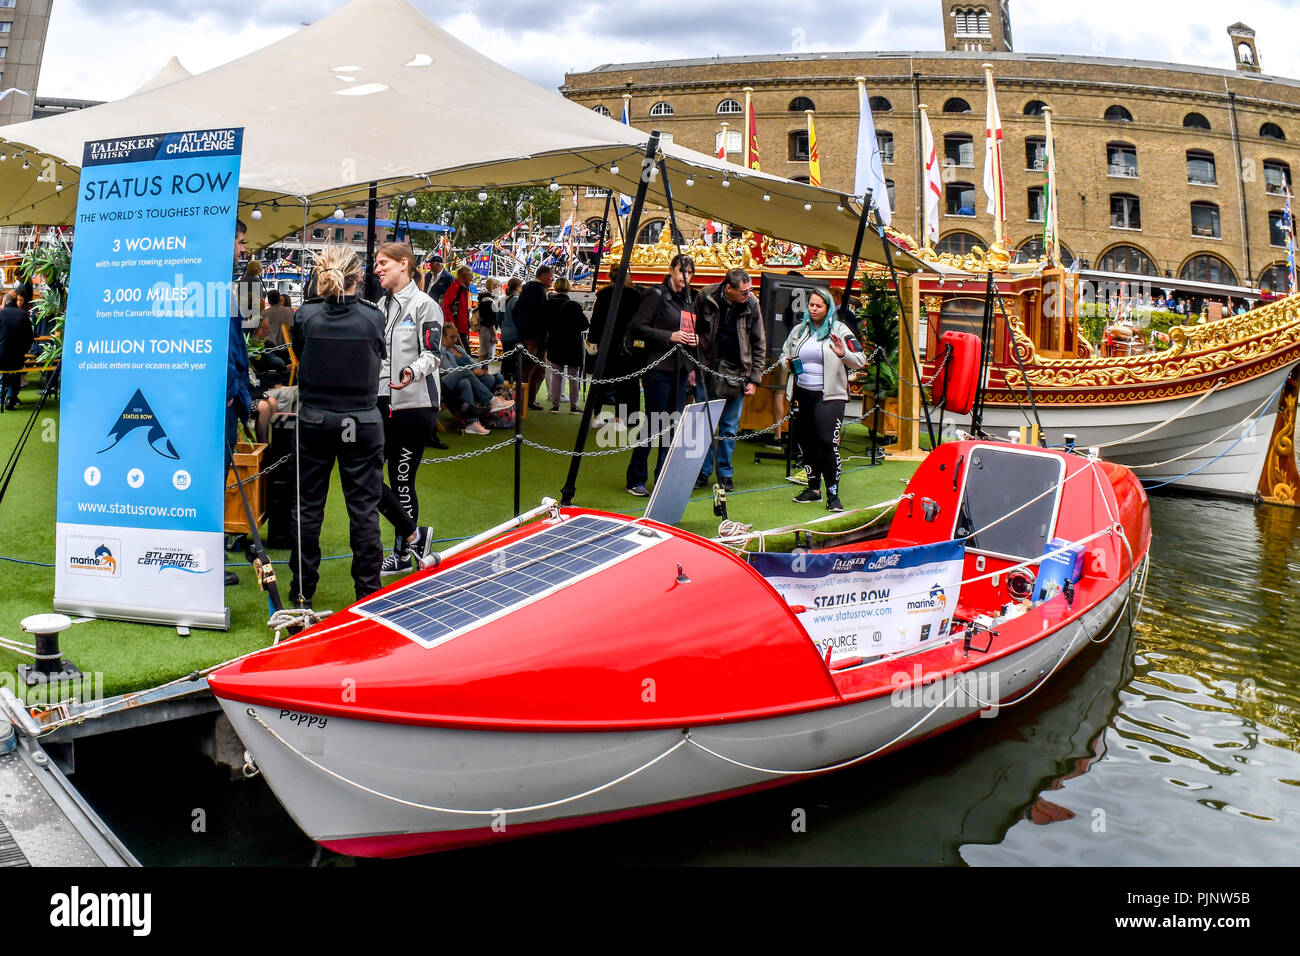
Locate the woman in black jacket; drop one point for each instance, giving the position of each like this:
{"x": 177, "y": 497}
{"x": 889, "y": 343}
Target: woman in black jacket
{"x": 565, "y": 323}
{"x": 656, "y": 330}
{"x": 625, "y": 395}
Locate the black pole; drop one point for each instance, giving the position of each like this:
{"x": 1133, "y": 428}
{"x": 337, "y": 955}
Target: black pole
{"x": 1029, "y": 389}
{"x": 902, "y": 315}
{"x": 257, "y": 551}
{"x": 600, "y": 243}
{"x": 519, "y": 418}
{"x": 372, "y": 208}
{"x": 986, "y": 348}
{"x": 846, "y": 309}
{"x": 875, "y": 412}
{"x": 611, "y": 318}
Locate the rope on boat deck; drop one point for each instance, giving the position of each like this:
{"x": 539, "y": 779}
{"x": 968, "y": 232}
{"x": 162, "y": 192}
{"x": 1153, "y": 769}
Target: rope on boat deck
{"x": 1168, "y": 421}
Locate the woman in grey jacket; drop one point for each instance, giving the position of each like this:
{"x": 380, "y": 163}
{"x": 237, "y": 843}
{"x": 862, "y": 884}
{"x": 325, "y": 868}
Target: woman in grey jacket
{"x": 408, "y": 388}
{"x": 819, "y": 352}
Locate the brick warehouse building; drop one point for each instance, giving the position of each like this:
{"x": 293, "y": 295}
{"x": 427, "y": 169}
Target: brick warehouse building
{"x": 1148, "y": 153}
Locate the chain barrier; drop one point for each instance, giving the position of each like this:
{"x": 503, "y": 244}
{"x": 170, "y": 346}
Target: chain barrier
{"x": 254, "y": 477}
{"x": 466, "y": 455}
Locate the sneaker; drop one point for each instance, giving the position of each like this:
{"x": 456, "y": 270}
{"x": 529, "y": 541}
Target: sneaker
{"x": 554, "y": 409}
{"x": 808, "y": 495}
{"x": 534, "y": 407}
{"x": 231, "y": 578}
{"x": 833, "y": 503}
{"x": 639, "y": 491}
{"x": 421, "y": 545}
{"x": 798, "y": 476}
{"x": 727, "y": 484}
{"x": 475, "y": 428}
{"x": 396, "y": 562}
{"x": 702, "y": 481}
{"x": 500, "y": 403}
{"x": 575, "y": 410}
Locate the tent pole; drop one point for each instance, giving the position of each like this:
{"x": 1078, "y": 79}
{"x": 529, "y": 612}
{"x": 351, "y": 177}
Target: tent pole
{"x": 600, "y": 242}
{"x": 611, "y": 318}
{"x": 846, "y": 308}
{"x": 887, "y": 245}
{"x": 372, "y": 206}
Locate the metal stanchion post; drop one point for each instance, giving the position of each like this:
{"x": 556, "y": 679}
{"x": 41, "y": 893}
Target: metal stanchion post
{"x": 875, "y": 412}
{"x": 519, "y": 418}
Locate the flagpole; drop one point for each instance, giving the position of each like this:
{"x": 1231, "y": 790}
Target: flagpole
{"x": 993, "y": 154}
{"x": 1051, "y": 240}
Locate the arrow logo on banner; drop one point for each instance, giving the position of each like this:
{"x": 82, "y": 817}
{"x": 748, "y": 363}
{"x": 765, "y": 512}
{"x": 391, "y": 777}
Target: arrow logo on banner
{"x": 138, "y": 414}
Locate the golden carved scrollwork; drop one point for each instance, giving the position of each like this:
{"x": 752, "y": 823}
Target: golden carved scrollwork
{"x": 1196, "y": 350}
{"x": 932, "y": 303}
{"x": 1280, "y": 482}
{"x": 732, "y": 254}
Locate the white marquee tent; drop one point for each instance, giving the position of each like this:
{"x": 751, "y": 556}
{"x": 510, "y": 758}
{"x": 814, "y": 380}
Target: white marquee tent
{"x": 376, "y": 92}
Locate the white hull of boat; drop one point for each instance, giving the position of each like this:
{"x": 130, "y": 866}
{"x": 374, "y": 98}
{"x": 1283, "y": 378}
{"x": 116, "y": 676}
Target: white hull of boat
{"x": 356, "y": 780}
{"x": 1230, "y": 465}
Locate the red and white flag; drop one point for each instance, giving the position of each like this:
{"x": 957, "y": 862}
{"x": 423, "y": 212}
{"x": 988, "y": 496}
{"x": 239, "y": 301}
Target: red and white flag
{"x": 993, "y": 182}
{"x": 932, "y": 185}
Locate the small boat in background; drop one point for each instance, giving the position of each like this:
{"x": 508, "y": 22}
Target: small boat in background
{"x": 585, "y": 667}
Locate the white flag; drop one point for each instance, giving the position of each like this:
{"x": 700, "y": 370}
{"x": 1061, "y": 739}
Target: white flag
{"x": 993, "y": 187}
{"x": 870, "y": 174}
{"x": 933, "y": 182}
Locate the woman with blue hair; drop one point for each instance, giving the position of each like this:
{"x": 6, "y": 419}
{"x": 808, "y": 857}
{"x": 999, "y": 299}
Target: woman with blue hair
{"x": 819, "y": 353}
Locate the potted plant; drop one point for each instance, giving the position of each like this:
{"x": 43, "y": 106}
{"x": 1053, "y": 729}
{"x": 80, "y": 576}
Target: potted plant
{"x": 878, "y": 327}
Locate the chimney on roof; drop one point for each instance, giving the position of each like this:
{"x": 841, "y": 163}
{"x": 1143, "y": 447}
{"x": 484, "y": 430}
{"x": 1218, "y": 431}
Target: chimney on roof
{"x": 1243, "y": 47}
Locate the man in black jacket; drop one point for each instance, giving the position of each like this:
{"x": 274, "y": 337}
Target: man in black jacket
{"x": 657, "y": 329}
{"x": 15, "y": 340}
{"x": 733, "y": 346}
{"x": 530, "y": 322}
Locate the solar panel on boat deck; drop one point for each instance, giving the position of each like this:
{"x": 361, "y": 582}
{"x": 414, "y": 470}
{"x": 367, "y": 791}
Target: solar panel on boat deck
{"x": 445, "y": 605}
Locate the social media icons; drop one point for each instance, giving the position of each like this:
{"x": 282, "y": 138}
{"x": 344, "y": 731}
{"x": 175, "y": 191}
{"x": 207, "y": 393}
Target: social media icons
{"x": 92, "y": 476}
{"x": 181, "y": 480}
{"x": 135, "y": 477}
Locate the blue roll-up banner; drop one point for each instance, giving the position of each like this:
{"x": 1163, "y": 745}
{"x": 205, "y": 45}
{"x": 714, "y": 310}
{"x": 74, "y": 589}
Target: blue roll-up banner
{"x": 141, "y": 449}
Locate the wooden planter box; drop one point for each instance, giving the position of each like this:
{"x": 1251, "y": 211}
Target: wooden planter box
{"x": 248, "y": 461}
{"x": 888, "y": 422}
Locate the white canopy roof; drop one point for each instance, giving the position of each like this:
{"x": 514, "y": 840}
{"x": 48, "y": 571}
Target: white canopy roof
{"x": 171, "y": 71}
{"x": 377, "y": 92}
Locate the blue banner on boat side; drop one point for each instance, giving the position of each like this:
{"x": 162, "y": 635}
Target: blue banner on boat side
{"x": 141, "y": 449}
{"x": 870, "y": 603}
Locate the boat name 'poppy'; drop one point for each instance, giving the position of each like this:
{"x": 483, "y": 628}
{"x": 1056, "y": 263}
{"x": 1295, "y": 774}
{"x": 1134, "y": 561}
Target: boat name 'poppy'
{"x": 303, "y": 720}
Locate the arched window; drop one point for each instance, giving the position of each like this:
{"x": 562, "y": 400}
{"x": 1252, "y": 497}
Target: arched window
{"x": 956, "y": 105}
{"x": 1277, "y": 175}
{"x": 602, "y": 110}
{"x": 1208, "y": 268}
{"x": 595, "y": 227}
{"x": 730, "y": 106}
{"x": 1125, "y": 211}
{"x": 1035, "y": 152}
{"x": 1275, "y": 278}
{"x": 797, "y": 146}
{"x": 1272, "y": 131}
{"x": 661, "y": 109}
{"x": 958, "y": 243}
{"x": 878, "y": 104}
{"x": 651, "y": 232}
{"x": 1128, "y": 259}
{"x": 1118, "y": 114}
{"x": 960, "y": 199}
{"x": 1277, "y": 232}
{"x": 1032, "y": 250}
{"x": 801, "y": 103}
{"x": 1245, "y": 55}
{"x": 1196, "y": 121}
{"x": 885, "y": 143}
{"x": 1034, "y": 108}
{"x": 800, "y": 179}
{"x": 1200, "y": 168}
{"x": 958, "y": 149}
{"x": 1122, "y": 160}
{"x": 1205, "y": 220}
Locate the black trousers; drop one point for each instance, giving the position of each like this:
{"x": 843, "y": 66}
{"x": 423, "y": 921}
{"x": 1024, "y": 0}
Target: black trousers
{"x": 406, "y": 432}
{"x": 817, "y": 425}
{"x": 665, "y": 393}
{"x": 356, "y": 441}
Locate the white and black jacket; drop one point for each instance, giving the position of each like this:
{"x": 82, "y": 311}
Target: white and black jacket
{"x": 413, "y": 333}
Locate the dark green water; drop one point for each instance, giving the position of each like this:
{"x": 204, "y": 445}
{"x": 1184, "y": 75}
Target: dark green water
{"x": 1178, "y": 744}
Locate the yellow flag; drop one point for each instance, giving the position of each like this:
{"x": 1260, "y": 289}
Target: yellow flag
{"x": 814, "y": 161}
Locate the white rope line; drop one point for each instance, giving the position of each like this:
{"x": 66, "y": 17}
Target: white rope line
{"x": 789, "y": 529}
{"x": 458, "y": 810}
{"x": 1255, "y": 414}
{"x": 1168, "y": 421}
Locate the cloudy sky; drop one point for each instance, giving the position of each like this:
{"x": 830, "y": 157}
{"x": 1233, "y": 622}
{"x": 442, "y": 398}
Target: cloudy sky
{"x": 103, "y": 49}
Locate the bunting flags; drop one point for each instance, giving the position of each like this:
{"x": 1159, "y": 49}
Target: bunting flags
{"x": 751, "y": 128}
{"x": 932, "y": 182}
{"x": 814, "y": 161}
{"x": 994, "y": 187}
{"x": 870, "y": 174}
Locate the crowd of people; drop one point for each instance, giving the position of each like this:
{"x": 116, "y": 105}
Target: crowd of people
{"x": 373, "y": 375}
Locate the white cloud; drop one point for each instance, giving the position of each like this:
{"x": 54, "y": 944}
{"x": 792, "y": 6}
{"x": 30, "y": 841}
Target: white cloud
{"x": 543, "y": 42}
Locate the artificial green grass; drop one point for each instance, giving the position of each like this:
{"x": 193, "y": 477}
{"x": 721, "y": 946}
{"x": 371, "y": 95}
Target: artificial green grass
{"x": 460, "y": 498}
